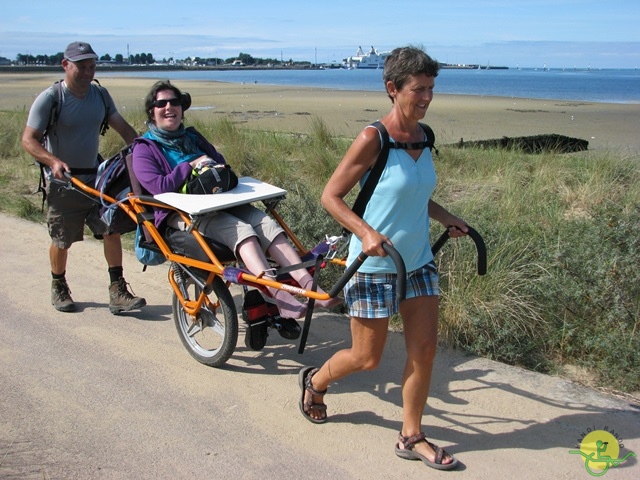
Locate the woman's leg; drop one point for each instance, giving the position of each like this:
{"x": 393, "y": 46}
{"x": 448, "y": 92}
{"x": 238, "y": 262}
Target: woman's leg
{"x": 273, "y": 239}
{"x": 250, "y": 252}
{"x": 284, "y": 254}
{"x": 239, "y": 235}
{"x": 420, "y": 320}
{"x": 368, "y": 336}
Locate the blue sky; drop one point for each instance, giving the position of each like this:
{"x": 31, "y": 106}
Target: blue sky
{"x": 558, "y": 33}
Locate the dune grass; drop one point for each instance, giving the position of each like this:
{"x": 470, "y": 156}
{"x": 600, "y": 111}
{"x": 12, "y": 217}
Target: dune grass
{"x": 562, "y": 232}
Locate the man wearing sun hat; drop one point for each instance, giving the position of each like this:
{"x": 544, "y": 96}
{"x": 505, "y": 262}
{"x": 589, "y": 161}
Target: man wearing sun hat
{"x": 77, "y": 51}
{"x": 70, "y": 145}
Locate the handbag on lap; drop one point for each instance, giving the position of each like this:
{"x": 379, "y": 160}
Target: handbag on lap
{"x": 211, "y": 178}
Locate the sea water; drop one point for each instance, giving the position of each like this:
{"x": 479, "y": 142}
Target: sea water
{"x": 598, "y": 85}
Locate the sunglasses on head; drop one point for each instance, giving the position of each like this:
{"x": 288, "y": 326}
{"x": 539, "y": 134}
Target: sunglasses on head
{"x": 174, "y": 102}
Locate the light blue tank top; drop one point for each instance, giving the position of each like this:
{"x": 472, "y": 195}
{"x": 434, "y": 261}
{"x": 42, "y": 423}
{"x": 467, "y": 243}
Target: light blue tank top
{"x": 398, "y": 208}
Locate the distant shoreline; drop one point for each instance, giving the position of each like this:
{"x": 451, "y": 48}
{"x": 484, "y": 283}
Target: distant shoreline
{"x": 220, "y": 68}
{"x": 291, "y": 109}
{"x": 179, "y": 68}
{"x": 142, "y": 68}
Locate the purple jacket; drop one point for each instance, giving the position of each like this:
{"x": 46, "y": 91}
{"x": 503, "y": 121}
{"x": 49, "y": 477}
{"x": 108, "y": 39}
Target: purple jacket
{"x": 154, "y": 172}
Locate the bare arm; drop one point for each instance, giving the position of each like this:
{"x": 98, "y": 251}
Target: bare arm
{"x": 440, "y": 214}
{"x": 32, "y": 143}
{"x": 358, "y": 159}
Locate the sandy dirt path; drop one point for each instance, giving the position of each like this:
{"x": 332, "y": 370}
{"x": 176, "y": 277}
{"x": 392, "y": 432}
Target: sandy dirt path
{"x": 90, "y": 395}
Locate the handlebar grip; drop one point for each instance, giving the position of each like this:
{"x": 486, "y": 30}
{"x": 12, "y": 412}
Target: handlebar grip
{"x": 65, "y": 181}
{"x": 442, "y": 239}
{"x": 401, "y": 279}
{"x": 481, "y": 249}
{"x": 401, "y": 286}
{"x": 477, "y": 239}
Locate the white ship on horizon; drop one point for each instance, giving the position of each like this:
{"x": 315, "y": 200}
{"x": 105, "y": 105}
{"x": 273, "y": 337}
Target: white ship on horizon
{"x": 373, "y": 59}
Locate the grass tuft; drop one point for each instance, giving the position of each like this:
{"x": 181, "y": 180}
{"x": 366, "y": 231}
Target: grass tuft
{"x": 562, "y": 235}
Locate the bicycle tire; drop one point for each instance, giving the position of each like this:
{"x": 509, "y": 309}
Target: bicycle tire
{"x": 212, "y": 338}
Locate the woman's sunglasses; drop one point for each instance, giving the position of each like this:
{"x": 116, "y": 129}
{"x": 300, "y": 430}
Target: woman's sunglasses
{"x": 174, "y": 102}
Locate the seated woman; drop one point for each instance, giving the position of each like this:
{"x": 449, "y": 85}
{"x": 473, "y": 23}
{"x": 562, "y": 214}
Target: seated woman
{"x": 163, "y": 159}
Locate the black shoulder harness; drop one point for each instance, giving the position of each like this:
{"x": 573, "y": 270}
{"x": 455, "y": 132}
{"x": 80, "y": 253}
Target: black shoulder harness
{"x": 376, "y": 171}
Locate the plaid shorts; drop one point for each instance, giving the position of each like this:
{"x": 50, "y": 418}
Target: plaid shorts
{"x": 373, "y": 295}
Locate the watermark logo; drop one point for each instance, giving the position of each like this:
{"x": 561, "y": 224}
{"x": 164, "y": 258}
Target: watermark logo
{"x": 600, "y": 450}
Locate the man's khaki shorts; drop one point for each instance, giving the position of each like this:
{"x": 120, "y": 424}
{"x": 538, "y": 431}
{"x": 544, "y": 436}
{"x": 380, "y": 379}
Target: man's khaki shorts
{"x": 69, "y": 211}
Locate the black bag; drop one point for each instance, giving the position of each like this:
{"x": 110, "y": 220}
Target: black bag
{"x": 214, "y": 179}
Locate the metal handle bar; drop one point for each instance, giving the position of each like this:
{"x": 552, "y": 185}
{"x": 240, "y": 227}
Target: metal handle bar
{"x": 62, "y": 181}
{"x": 477, "y": 239}
{"x": 401, "y": 286}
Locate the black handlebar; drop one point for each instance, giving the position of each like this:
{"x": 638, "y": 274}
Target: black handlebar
{"x": 401, "y": 286}
{"x": 399, "y": 263}
{"x": 65, "y": 181}
{"x": 477, "y": 239}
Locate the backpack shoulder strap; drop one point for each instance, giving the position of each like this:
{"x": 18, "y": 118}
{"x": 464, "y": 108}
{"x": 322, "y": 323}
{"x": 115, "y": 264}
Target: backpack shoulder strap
{"x": 376, "y": 171}
{"x": 431, "y": 137}
{"x": 374, "y": 175}
{"x": 428, "y": 143}
{"x": 103, "y": 94}
{"x": 56, "y": 106}
{"x": 54, "y": 113}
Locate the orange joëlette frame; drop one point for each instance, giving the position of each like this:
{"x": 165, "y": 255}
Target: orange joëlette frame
{"x": 135, "y": 206}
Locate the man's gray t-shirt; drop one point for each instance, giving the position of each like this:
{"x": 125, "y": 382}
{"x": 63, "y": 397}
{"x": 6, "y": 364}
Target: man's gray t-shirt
{"x": 75, "y": 138}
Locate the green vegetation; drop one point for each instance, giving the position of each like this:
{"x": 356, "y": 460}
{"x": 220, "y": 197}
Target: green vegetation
{"x": 148, "y": 59}
{"x": 562, "y": 233}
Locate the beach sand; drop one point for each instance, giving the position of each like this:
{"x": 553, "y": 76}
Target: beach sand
{"x": 292, "y": 109}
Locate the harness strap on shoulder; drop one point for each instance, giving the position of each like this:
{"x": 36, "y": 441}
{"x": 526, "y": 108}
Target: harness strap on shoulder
{"x": 374, "y": 175}
{"x": 428, "y": 143}
{"x": 376, "y": 171}
{"x": 51, "y": 124}
{"x": 104, "y": 126}
{"x": 57, "y": 106}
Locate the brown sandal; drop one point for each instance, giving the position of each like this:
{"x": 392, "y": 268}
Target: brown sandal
{"x": 306, "y": 407}
{"x": 409, "y": 454}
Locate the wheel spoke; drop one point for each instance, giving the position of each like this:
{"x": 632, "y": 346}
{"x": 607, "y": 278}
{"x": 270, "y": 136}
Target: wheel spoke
{"x": 217, "y": 327}
{"x": 212, "y": 338}
{"x": 194, "y": 329}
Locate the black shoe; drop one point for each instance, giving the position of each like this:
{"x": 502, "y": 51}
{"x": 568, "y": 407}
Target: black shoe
{"x": 287, "y": 327}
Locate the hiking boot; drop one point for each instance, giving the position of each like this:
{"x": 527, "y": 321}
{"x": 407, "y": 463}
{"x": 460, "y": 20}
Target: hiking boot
{"x": 121, "y": 300}
{"x": 61, "y": 296}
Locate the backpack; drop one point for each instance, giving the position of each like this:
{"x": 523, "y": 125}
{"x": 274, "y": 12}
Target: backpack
{"x": 376, "y": 171}
{"x": 112, "y": 178}
{"x": 56, "y": 106}
{"x": 146, "y": 256}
